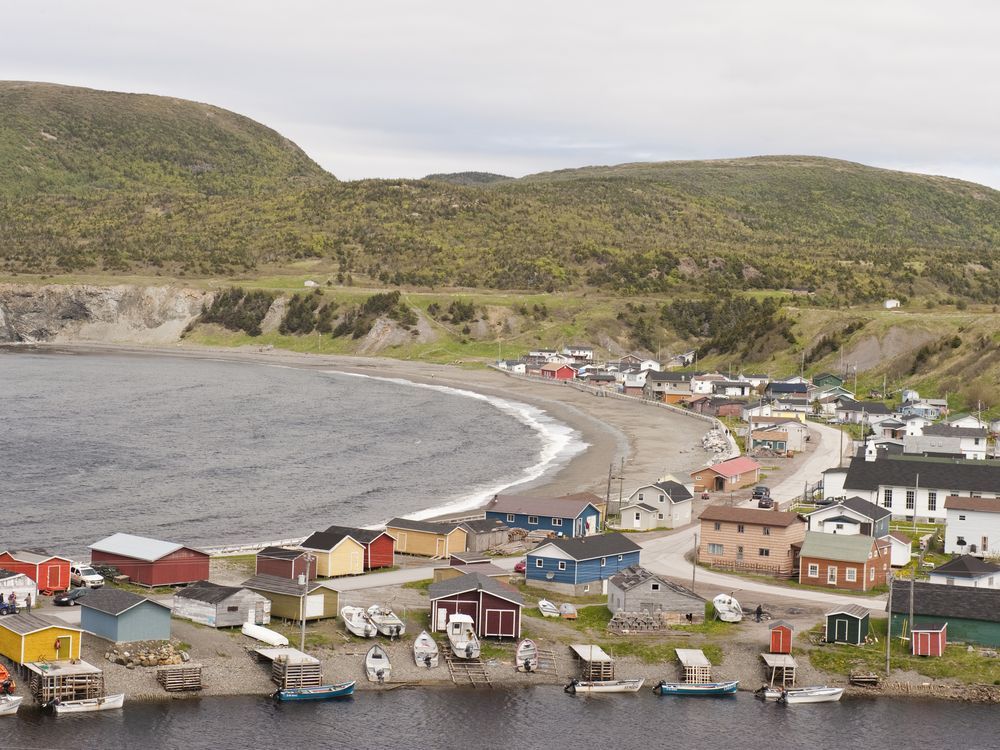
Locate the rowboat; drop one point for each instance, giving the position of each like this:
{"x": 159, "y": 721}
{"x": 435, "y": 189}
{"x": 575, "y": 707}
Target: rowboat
{"x": 547, "y": 608}
{"x": 357, "y": 623}
{"x": 604, "y": 686}
{"x": 526, "y": 656}
{"x": 377, "y": 665}
{"x": 567, "y": 611}
{"x": 9, "y": 704}
{"x": 727, "y": 608}
{"x": 703, "y": 688}
{"x": 425, "y": 651}
{"x": 318, "y": 693}
{"x": 462, "y": 637}
{"x": 385, "y": 621}
{"x": 815, "y": 694}
{"x": 768, "y": 693}
{"x": 104, "y": 703}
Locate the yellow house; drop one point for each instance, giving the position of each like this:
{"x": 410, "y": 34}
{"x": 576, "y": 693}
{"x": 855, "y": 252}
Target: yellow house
{"x": 26, "y": 638}
{"x": 337, "y": 554}
{"x": 426, "y": 538}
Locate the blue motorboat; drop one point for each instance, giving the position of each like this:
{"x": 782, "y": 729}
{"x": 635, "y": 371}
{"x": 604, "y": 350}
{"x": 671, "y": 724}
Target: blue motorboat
{"x": 317, "y": 693}
{"x": 702, "y": 688}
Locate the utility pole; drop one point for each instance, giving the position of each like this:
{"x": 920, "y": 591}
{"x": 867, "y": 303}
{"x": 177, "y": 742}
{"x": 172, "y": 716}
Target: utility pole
{"x": 694, "y": 561}
{"x": 888, "y": 628}
{"x": 913, "y": 578}
{"x": 621, "y": 485}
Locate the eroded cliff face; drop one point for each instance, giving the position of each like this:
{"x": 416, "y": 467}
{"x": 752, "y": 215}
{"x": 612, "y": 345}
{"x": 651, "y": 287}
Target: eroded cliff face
{"x": 81, "y": 312}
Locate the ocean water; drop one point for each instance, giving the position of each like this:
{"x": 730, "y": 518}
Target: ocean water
{"x": 211, "y": 452}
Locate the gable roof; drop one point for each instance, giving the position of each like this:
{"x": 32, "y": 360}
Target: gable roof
{"x": 966, "y": 566}
{"x": 327, "y": 540}
{"x": 208, "y": 592}
{"x": 428, "y": 526}
{"x": 954, "y": 474}
{"x": 114, "y": 601}
{"x": 674, "y": 490}
{"x": 560, "y": 507}
{"x": 34, "y": 556}
{"x": 365, "y": 536}
{"x": 22, "y": 623}
{"x": 853, "y": 610}
{"x": 732, "y": 467}
{"x": 473, "y": 582}
{"x": 645, "y": 506}
{"x": 947, "y": 430}
{"x": 777, "y": 518}
{"x": 281, "y": 553}
{"x": 278, "y": 585}
{"x": 981, "y": 504}
{"x": 853, "y": 548}
{"x": 634, "y": 575}
{"x": 589, "y": 547}
{"x": 138, "y": 547}
{"x": 865, "y": 508}
{"x": 940, "y": 600}
{"x": 483, "y": 525}
{"x": 777, "y": 387}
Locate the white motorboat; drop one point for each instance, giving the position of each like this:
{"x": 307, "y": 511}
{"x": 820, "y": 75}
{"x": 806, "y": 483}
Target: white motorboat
{"x": 567, "y": 611}
{"x": 377, "y": 665}
{"x": 547, "y": 608}
{"x": 425, "y": 651}
{"x": 526, "y": 656}
{"x": 727, "y": 608}
{"x": 357, "y": 622}
{"x": 385, "y": 621}
{"x": 815, "y": 694}
{"x": 604, "y": 686}
{"x": 104, "y": 703}
{"x": 462, "y": 637}
{"x": 9, "y": 704}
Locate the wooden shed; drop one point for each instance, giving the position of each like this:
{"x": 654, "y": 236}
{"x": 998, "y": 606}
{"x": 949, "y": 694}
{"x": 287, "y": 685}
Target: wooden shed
{"x": 337, "y": 553}
{"x": 847, "y": 625}
{"x": 484, "y": 534}
{"x": 487, "y": 568}
{"x": 285, "y": 563}
{"x": 929, "y": 638}
{"x": 380, "y": 545}
{"x": 781, "y": 637}
{"x": 25, "y": 638}
{"x": 18, "y": 584}
{"x": 121, "y": 616}
{"x": 151, "y": 562}
{"x": 494, "y": 607}
{"x": 50, "y": 572}
{"x": 221, "y": 606}
{"x": 317, "y": 600}
{"x": 427, "y": 538}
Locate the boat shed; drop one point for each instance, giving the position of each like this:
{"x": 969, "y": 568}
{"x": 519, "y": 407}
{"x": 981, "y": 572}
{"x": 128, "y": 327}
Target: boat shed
{"x": 315, "y": 601}
{"x": 50, "y": 572}
{"x": 285, "y": 563}
{"x": 221, "y": 606}
{"x": 781, "y": 637}
{"x": 847, "y": 625}
{"x": 484, "y": 534}
{"x": 494, "y": 607}
{"x": 929, "y": 638}
{"x": 25, "y": 638}
{"x": 19, "y": 584}
{"x": 120, "y": 616}
{"x": 150, "y": 562}
{"x": 337, "y": 553}
{"x": 380, "y": 545}
{"x": 427, "y": 538}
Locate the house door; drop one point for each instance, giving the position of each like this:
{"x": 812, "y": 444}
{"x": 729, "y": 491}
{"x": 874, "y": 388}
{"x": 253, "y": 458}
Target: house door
{"x": 440, "y": 547}
{"x": 720, "y": 484}
{"x": 401, "y": 541}
{"x": 357, "y": 563}
{"x": 578, "y": 527}
{"x": 637, "y": 523}
{"x": 314, "y": 605}
{"x": 831, "y": 574}
{"x": 499, "y": 622}
{"x": 442, "y": 618}
{"x": 840, "y": 631}
{"x": 739, "y": 553}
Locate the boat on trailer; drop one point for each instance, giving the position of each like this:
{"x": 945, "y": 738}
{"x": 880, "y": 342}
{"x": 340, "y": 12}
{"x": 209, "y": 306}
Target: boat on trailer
{"x": 425, "y": 651}
{"x": 377, "y": 665}
{"x": 526, "y": 656}
{"x": 727, "y": 608}
{"x": 699, "y": 688}
{"x": 9, "y": 704}
{"x": 815, "y": 694}
{"x": 604, "y": 686}
{"x": 385, "y": 621}
{"x": 86, "y": 705}
{"x": 547, "y": 608}
{"x": 357, "y": 622}
{"x": 317, "y": 693}
{"x": 462, "y": 637}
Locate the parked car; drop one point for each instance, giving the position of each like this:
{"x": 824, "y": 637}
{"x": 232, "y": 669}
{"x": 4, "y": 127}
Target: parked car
{"x": 761, "y": 491}
{"x": 81, "y": 574}
{"x": 766, "y": 502}
{"x": 70, "y": 598}
{"x": 520, "y": 566}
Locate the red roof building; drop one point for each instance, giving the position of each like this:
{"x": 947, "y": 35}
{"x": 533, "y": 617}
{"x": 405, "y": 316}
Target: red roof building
{"x": 49, "y": 572}
{"x": 929, "y": 639}
{"x": 727, "y": 476}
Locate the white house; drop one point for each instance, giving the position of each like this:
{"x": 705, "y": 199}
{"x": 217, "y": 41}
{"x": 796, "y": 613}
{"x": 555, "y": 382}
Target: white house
{"x": 701, "y": 385}
{"x": 966, "y": 420}
{"x": 579, "y": 352}
{"x": 967, "y": 570}
{"x": 852, "y": 516}
{"x": 634, "y": 381}
{"x": 513, "y": 365}
{"x": 891, "y": 304}
{"x": 946, "y": 440}
{"x": 755, "y": 380}
{"x": 973, "y": 526}
{"x": 902, "y": 549}
{"x": 664, "y": 504}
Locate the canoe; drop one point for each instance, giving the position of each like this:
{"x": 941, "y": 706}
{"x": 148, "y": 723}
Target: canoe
{"x": 377, "y": 665}
{"x": 318, "y": 693}
{"x": 357, "y": 623}
{"x": 567, "y": 611}
{"x": 727, "y": 608}
{"x": 425, "y": 651}
{"x": 9, "y": 704}
{"x": 385, "y": 621}
{"x": 604, "y": 686}
{"x": 816, "y": 694}
{"x": 704, "y": 688}
{"x": 104, "y": 703}
{"x": 547, "y": 608}
{"x": 526, "y": 656}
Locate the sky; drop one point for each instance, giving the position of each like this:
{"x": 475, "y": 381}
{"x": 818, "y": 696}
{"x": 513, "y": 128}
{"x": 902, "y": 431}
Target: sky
{"x": 386, "y": 88}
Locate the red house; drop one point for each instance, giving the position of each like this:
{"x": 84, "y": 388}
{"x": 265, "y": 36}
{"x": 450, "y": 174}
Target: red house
{"x": 558, "y": 371}
{"x": 494, "y": 607}
{"x": 49, "y": 572}
{"x": 379, "y": 544}
{"x": 781, "y": 637}
{"x": 150, "y": 562}
{"x": 929, "y": 638}
{"x": 286, "y": 563}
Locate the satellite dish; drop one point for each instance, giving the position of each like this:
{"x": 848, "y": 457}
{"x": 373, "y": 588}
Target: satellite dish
{"x": 549, "y": 576}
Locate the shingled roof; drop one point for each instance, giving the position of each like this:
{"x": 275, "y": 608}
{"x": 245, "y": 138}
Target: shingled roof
{"x": 853, "y": 548}
{"x": 982, "y": 504}
{"x": 473, "y": 582}
{"x": 428, "y": 526}
{"x": 560, "y": 507}
{"x": 115, "y": 601}
{"x": 589, "y": 547}
{"x": 940, "y": 600}
{"x": 966, "y": 566}
{"x": 956, "y": 475}
{"x": 750, "y": 515}
{"x": 208, "y": 592}
{"x": 633, "y": 576}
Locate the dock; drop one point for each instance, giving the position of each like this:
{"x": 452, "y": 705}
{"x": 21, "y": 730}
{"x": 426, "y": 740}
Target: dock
{"x": 780, "y": 668}
{"x": 291, "y": 668}
{"x": 65, "y": 680}
{"x": 697, "y": 667}
{"x": 597, "y": 666}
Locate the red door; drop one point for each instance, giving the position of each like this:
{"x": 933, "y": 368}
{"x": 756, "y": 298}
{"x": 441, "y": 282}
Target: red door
{"x": 500, "y": 622}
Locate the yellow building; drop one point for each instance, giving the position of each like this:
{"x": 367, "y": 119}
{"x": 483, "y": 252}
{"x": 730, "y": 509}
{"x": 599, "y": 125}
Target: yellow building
{"x": 337, "y": 554}
{"x": 426, "y": 538}
{"x": 26, "y": 638}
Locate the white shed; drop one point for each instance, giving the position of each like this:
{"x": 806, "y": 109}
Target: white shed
{"x": 20, "y": 584}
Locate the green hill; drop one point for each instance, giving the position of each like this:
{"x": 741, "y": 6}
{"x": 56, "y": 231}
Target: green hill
{"x": 468, "y": 178}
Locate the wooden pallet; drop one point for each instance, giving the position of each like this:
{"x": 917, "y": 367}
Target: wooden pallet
{"x": 470, "y": 672}
{"x": 175, "y": 679}
{"x": 286, "y": 675}
{"x": 547, "y": 662}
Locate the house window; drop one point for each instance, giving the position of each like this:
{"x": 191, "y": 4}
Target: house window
{"x": 232, "y": 609}
{"x": 562, "y": 565}
{"x": 533, "y": 520}
{"x": 620, "y": 558}
{"x": 767, "y": 531}
{"x": 715, "y": 549}
{"x": 764, "y": 552}
{"x": 641, "y": 496}
{"x": 910, "y": 499}
{"x": 718, "y": 526}
{"x": 961, "y": 518}
{"x": 510, "y": 518}
{"x": 539, "y": 563}
{"x": 586, "y": 589}
{"x": 813, "y": 570}
{"x": 831, "y": 574}
{"x": 739, "y": 528}
{"x": 851, "y": 574}
{"x": 887, "y": 498}
{"x": 604, "y": 561}
{"x": 840, "y": 526}
{"x": 656, "y": 586}
{"x": 557, "y": 522}
{"x": 662, "y": 498}
{"x": 872, "y": 576}
{"x": 660, "y": 516}
{"x": 931, "y": 501}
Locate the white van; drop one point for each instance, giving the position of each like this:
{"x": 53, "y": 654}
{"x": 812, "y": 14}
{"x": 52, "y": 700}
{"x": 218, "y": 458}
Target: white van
{"x": 81, "y": 574}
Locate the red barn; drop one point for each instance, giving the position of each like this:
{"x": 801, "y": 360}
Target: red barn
{"x": 150, "y": 562}
{"x": 558, "y": 371}
{"x": 781, "y": 637}
{"x": 380, "y": 546}
{"x": 49, "y": 572}
{"x": 286, "y": 563}
{"x": 929, "y": 638}
{"x": 494, "y": 607}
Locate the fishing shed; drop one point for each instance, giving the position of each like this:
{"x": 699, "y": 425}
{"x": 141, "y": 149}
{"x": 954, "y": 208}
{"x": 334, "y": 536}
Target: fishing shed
{"x": 929, "y": 638}
{"x": 121, "y": 616}
{"x": 150, "y": 562}
{"x": 427, "y": 538}
{"x": 494, "y": 607}
{"x": 291, "y": 601}
{"x": 285, "y": 563}
{"x": 25, "y": 638}
{"x": 221, "y": 606}
{"x": 847, "y": 625}
{"x": 67, "y": 680}
{"x": 484, "y": 534}
{"x": 337, "y": 553}
{"x": 19, "y": 584}
{"x": 781, "y": 637}
{"x": 380, "y": 546}
{"x": 50, "y": 572}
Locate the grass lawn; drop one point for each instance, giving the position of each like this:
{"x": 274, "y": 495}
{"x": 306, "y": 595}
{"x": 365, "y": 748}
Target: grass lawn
{"x": 419, "y": 585}
{"x": 795, "y": 584}
{"x": 656, "y": 652}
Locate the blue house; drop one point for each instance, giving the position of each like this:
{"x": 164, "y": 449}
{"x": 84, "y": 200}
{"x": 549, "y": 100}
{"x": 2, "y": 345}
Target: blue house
{"x": 571, "y": 515}
{"x": 580, "y": 566}
{"x": 121, "y": 616}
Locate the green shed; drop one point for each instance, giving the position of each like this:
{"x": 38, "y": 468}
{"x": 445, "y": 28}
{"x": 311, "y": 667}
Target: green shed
{"x": 317, "y": 600}
{"x": 973, "y": 614}
{"x": 847, "y": 625}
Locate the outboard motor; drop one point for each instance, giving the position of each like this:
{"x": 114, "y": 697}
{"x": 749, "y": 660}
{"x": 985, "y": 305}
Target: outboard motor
{"x": 381, "y": 676}
{"x": 571, "y": 688}
{"x": 468, "y": 650}
{"x": 427, "y": 661}
{"x": 527, "y": 665}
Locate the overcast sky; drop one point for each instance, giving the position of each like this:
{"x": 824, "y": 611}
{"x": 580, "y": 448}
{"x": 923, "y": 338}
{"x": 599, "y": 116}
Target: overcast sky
{"x": 374, "y": 88}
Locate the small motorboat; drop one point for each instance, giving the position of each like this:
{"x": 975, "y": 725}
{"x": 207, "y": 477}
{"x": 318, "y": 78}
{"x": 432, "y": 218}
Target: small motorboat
{"x": 547, "y": 608}
{"x": 526, "y": 656}
{"x": 425, "y": 651}
{"x": 377, "y": 665}
{"x": 462, "y": 637}
{"x": 385, "y": 621}
{"x": 815, "y": 694}
{"x": 317, "y": 693}
{"x": 727, "y": 608}
{"x": 9, "y": 704}
{"x": 702, "y": 688}
{"x": 104, "y": 703}
{"x": 604, "y": 686}
{"x": 767, "y": 693}
{"x": 357, "y": 622}
{"x": 567, "y": 611}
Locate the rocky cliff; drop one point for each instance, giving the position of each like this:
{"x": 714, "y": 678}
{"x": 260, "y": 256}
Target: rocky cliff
{"x": 81, "y": 312}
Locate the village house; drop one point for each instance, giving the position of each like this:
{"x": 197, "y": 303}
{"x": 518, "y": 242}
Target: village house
{"x": 668, "y": 387}
{"x": 772, "y": 439}
{"x": 580, "y": 566}
{"x": 972, "y": 526}
{"x": 901, "y": 548}
{"x": 634, "y": 382}
{"x": 579, "y": 352}
{"x": 853, "y": 515}
{"x": 756, "y": 380}
{"x": 569, "y": 516}
{"x": 860, "y": 412}
{"x": 750, "y": 539}
{"x": 972, "y": 614}
{"x": 50, "y": 572}
{"x": 844, "y": 561}
{"x": 966, "y": 570}
{"x": 715, "y": 406}
{"x": 663, "y": 504}
{"x": 701, "y": 385}
{"x": 733, "y": 388}
{"x": 970, "y": 421}
{"x": 635, "y": 589}
{"x": 727, "y": 476}
{"x": 791, "y": 407}
{"x": 557, "y": 371}
{"x": 756, "y": 408}
{"x": 151, "y": 562}
{"x": 782, "y": 390}
{"x": 825, "y": 379}
{"x": 949, "y": 441}
{"x": 515, "y": 366}
{"x": 218, "y": 606}
{"x": 796, "y": 432}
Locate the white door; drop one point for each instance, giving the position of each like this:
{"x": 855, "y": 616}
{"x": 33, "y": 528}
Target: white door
{"x": 357, "y": 563}
{"x": 637, "y": 521}
{"x": 831, "y": 574}
{"x": 442, "y": 618}
{"x": 314, "y": 605}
